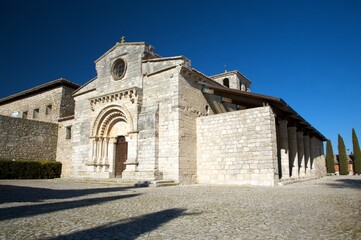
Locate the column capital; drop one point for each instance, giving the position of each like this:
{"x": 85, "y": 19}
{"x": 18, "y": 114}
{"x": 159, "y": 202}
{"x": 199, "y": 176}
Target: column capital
{"x": 282, "y": 122}
{"x": 300, "y": 133}
{"x": 292, "y": 128}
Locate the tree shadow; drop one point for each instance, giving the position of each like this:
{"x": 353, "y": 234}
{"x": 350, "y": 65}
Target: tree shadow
{"x": 346, "y": 183}
{"x": 32, "y": 210}
{"x": 11, "y": 193}
{"x": 127, "y": 229}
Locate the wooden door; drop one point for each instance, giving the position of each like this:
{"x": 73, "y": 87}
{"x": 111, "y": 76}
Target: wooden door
{"x": 121, "y": 155}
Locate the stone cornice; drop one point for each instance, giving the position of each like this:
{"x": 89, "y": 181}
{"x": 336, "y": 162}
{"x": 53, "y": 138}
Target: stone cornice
{"x": 132, "y": 94}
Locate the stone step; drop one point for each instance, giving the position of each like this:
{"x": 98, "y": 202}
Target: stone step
{"x": 115, "y": 181}
{"x": 295, "y": 180}
{"x": 162, "y": 183}
{"x": 124, "y": 182}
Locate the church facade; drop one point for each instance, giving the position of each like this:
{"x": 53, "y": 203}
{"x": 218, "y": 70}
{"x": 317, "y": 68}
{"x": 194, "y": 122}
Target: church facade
{"x": 149, "y": 118}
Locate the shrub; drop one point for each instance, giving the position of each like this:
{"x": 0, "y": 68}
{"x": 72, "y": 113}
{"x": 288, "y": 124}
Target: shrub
{"x": 343, "y": 161}
{"x": 25, "y": 169}
{"x": 330, "y": 164}
{"x": 356, "y": 153}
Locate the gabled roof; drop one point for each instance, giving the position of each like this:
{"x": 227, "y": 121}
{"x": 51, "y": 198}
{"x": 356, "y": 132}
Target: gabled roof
{"x": 250, "y": 100}
{"x": 39, "y": 89}
{"x": 225, "y": 74}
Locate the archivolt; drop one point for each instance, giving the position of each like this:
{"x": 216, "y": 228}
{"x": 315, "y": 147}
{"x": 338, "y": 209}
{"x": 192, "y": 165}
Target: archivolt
{"x": 108, "y": 117}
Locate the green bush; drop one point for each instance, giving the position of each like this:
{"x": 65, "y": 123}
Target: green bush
{"x": 343, "y": 161}
{"x": 26, "y": 169}
{"x": 356, "y": 153}
{"x": 330, "y": 163}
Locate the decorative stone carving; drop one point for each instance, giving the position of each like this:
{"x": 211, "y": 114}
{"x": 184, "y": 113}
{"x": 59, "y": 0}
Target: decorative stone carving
{"x": 131, "y": 94}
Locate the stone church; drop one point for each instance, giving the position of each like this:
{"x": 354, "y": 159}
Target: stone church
{"x": 151, "y": 118}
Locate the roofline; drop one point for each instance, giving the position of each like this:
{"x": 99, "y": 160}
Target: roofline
{"x": 275, "y": 102}
{"x": 120, "y": 44}
{"x": 229, "y": 73}
{"x": 160, "y": 59}
{"x": 85, "y": 84}
{"x": 39, "y": 89}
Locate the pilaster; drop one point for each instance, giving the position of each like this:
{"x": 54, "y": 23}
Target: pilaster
{"x": 293, "y": 156}
{"x": 312, "y": 154}
{"x": 283, "y": 149}
{"x": 306, "y": 145}
{"x": 301, "y": 155}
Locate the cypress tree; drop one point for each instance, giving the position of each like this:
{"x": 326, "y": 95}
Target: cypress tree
{"x": 356, "y": 153}
{"x": 330, "y": 164}
{"x": 343, "y": 163}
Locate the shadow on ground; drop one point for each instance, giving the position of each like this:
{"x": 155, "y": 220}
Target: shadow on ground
{"x": 346, "y": 183}
{"x": 12, "y": 193}
{"x": 32, "y": 210}
{"x": 127, "y": 229}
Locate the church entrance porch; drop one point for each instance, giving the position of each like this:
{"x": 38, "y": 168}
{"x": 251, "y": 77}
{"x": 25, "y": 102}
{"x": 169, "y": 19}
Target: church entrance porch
{"x": 113, "y": 141}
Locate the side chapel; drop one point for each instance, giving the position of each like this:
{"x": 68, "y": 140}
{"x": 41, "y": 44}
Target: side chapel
{"x": 149, "y": 118}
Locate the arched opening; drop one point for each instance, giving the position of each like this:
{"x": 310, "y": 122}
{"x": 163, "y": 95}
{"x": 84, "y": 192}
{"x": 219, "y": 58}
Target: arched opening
{"x": 109, "y": 140}
{"x": 226, "y": 82}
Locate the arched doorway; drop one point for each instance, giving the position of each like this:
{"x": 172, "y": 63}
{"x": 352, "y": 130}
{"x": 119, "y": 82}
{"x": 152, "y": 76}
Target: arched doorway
{"x": 121, "y": 155}
{"x": 110, "y": 139}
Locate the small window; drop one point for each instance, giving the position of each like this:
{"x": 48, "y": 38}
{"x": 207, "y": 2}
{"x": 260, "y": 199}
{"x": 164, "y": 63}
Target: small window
{"x": 226, "y": 82}
{"x": 25, "y": 115}
{"x": 68, "y": 132}
{"x": 15, "y": 114}
{"x": 36, "y": 113}
{"x": 118, "y": 69}
{"x": 48, "y": 109}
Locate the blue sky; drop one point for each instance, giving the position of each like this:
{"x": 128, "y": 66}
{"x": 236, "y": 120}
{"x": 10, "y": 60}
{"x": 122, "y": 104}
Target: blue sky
{"x": 306, "y": 52}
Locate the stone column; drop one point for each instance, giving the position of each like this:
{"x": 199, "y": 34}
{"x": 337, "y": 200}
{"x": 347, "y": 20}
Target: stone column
{"x": 306, "y": 145}
{"x": 94, "y": 150}
{"x": 105, "y": 159}
{"x": 292, "y": 146}
{"x": 301, "y": 155}
{"x": 283, "y": 146}
{"x": 97, "y": 150}
{"x": 99, "y": 153}
{"x": 312, "y": 154}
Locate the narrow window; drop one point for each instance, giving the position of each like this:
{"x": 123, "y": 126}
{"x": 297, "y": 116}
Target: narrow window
{"x": 68, "y": 132}
{"x": 243, "y": 87}
{"x": 15, "y": 114}
{"x": 36, "y": 113}
{"x": 48, "y": 109}
{"x": 25, "y": 115}
{"x": 226, "y": 82}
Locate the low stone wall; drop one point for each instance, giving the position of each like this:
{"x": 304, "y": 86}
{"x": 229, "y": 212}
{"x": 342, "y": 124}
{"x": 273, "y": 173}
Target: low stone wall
{"x": 27, "y": 139}
{"x": 237, "y": 148}
{"x": 64, "y": 149}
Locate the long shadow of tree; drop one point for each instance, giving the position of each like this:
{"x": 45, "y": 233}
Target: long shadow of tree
{"x": 346, "y": 183}
{"x": 10, "y": 193}
{"x": 32, "y": 210}
{"x": 126, "y": 229}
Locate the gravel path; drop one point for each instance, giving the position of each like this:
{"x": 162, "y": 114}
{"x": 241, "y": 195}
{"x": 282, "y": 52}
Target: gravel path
{"x": 327, "y": 208}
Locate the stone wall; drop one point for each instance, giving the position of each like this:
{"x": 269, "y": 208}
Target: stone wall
{"x": 64, "y": 148}
{"x": 67, "y": 103}
{"x": 27, "y": 139}
{"x": 192, "y": 104}
{"x": 237, "y": 148}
